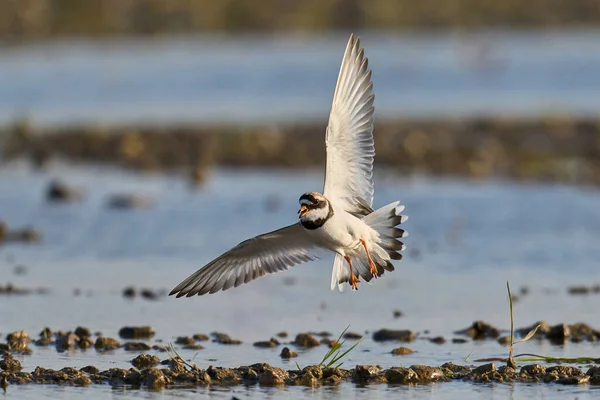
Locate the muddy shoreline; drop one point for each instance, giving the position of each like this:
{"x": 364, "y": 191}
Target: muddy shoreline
{"x": 152, "y": 372}
{"x": 539, "y": 149}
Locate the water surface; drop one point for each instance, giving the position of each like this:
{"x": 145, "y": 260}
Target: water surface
{"x": 264, "y": 79}
{"x": 466, "y": 240}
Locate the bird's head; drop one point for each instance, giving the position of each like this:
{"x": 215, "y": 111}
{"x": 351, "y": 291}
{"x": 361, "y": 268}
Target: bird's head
{"x": 315, "y": 209}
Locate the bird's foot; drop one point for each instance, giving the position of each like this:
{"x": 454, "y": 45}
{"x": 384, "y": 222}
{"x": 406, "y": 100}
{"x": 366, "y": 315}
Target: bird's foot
{"x": 354, "y": 282}
{"x": 373, "y": 269}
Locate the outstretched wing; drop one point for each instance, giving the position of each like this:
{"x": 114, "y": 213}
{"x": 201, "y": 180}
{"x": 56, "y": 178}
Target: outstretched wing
{"x": 264, "y": 254}
{"x": 349, "y": 137}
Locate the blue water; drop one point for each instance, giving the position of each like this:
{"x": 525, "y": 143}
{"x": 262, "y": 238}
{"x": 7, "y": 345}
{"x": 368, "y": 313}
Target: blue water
{"x": 263, "y": 79}
{"x": 471, "y": 236}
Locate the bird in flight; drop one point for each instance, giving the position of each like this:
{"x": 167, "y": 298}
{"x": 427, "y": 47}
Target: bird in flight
{"x": 341, "y": 220}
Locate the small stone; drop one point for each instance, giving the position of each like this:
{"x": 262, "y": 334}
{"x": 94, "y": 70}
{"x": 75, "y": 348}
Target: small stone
{"x": 129, "y": 292}
{"x": 150, "y": 294}
{"x": 9, "y": 364}
{"x": 145, "y": 361}
{"x": 160, "y": 348}
{"x": 389, "y": 334}
{"x": 504, "y": 340}
{"x": 220, "y": 374}
{"x": 353, "y": 336}
{"x": 305, "y": 340}
{"x": 46, "y": 333}
{"x": 282, "y": 335}
{"x": 200, "y": 337}
{"x": 129, "y": 202}
{"x": 456, "y": 369}
{"x": 362, "y": 372}
{"x": 579, "y": 290}
{"x": 438, "y": 340}
{"x": 81, "y": 381}
{"x": 459, "y": 340}
{"x": 90, "y": 369}
{"x": 272, "y": 376}
{"x": 321, "y": 334}
{"x": 193, "y": 346}
{"x": 184, "y": 340}
{"x": 402, "y": 351}
{"x": 66, "y": 341}
{"x": 287, "y": 353}
{"x": 480, "y": 330}
{"x": 559, "y": 333}
{"x": 136, "y": 346}
{"x": 104, "y": 343}
{"x": 58, "y": 191}
{"x": 306, "y": 380}
{"x": 594, "y": 374}
{"x": 41, "y": 342}
{"x": 267, "y": 344}
{"x": 398, "y": 314}
{"x": 401, "y": 375}
{"x": 133, "y": 377}
{"x": 136, "y": 332}
{"x": 85, "y": 343}
{"x": 223, "y": 338}
{"x": 154, "y": 379}
{"x": 484, "y": 369}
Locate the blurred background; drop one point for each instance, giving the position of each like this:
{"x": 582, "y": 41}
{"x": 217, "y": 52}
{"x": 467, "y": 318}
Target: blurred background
{"x": 140, "y": 139}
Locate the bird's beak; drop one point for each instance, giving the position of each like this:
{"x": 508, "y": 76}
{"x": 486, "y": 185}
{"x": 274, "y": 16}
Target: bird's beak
{"x": 303, "y": 210}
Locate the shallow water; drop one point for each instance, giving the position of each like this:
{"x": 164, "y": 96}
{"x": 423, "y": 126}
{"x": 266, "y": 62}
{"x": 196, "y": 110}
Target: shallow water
{"x": 254, "y": 79}
{"x": 471, "y": 237}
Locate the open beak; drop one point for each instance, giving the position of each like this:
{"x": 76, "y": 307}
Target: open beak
{"x": 303, "y": 210}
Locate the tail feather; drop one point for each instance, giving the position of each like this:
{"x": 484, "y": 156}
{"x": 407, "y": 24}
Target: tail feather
{"x": 384, "y": 221}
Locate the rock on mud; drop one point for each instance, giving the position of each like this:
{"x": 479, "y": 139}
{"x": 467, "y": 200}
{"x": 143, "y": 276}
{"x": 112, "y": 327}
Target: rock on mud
{"x": 136, "y": 346}
{"x": 223, "y": 338}
{"x": 9, "y": 364}
{"x": 200, "y": 337}
{"x": 402, "y": 351}
{"x": 383, "y": 335}
{"x": 401, "y": 375}
{"x": 129, "y": 202}
{"x": 136, "y": 332}
{"x": 106, "y": 343}
{"x": 145, "y": 361}
{"x": 267, "y": 343}
{"x": 60, "y": 192}
{"x": 368, "y": 374}
{"x": 480, "y": 330}
{"x": 154, "y": 379}
{"x": 272, "y": 376}
{"x": 287, "y": 353}
{"x": 306, "y": 340}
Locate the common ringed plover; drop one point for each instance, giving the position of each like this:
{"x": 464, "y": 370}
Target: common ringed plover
{"x": 341, "y": 220}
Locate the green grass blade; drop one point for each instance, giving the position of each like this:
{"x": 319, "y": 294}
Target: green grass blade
{"x": 529, "y": 335}
{"x": 510, "y": 304}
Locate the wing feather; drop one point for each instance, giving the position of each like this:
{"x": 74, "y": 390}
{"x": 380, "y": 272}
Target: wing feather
{"x": 264, "y": 254}
{"x": 349, "y": 136}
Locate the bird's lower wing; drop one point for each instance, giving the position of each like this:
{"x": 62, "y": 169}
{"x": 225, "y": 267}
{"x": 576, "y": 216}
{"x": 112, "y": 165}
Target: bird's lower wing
{"x": 264, "y": 254}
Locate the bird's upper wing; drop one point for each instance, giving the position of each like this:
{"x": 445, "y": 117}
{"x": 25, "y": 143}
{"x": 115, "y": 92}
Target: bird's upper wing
{"x": 349, "y": 137}
{"x": 264, "y": 254}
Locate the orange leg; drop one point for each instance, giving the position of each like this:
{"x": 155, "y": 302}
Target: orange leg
{"x": 372, "y": 266}
{"x": 353, "y": 278}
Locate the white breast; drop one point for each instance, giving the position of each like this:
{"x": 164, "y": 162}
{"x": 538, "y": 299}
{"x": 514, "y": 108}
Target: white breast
{"x": 342, "y": 232}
